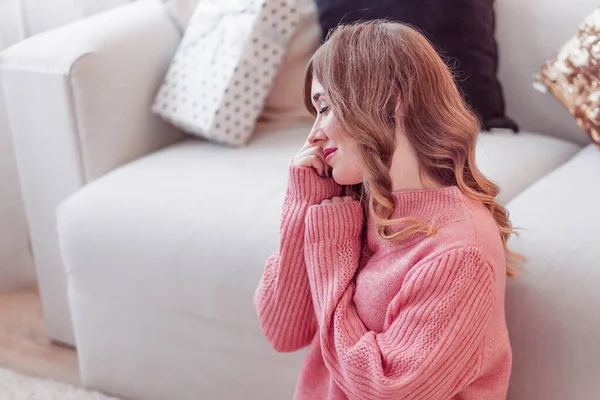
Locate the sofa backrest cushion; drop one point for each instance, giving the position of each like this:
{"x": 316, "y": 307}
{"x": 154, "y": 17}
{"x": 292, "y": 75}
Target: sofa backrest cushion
{"x": 529, "y": 33}
{"x": 461, "y": 30}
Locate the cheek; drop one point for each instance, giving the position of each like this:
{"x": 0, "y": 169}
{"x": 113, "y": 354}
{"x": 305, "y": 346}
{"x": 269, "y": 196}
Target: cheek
{"x": 332, "y": 128}
{"x": 348, "y": 171}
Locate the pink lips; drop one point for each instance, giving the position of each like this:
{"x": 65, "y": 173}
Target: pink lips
{"x": 329, "y": 153}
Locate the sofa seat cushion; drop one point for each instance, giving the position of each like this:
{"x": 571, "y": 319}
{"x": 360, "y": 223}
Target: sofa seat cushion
{"x": 553, "y": 310}
{"x": 219, "y": 206}
{"x": 168, "y": 250}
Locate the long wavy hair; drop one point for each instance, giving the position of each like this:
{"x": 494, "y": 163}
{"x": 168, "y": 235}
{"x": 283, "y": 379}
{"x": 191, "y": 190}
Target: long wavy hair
{"x": 382, "y": 77}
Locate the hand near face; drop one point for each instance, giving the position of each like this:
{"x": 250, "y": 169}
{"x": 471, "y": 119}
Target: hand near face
{"x": 338, "y": 200}
{"x": 311, "y": 155}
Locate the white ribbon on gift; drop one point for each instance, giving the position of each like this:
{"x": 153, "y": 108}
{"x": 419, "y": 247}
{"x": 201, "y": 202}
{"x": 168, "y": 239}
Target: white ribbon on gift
{"x": 229, "y": 22}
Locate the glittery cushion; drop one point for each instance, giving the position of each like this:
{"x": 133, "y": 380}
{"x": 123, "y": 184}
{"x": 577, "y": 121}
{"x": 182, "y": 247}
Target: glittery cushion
{"x": 573, "y": 76}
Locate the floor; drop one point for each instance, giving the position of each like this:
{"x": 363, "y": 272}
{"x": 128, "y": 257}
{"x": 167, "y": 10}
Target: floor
{"x": 24, "y": 346}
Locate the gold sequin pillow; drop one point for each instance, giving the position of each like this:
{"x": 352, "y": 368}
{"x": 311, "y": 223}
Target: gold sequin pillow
{"x": 573, "y": 76}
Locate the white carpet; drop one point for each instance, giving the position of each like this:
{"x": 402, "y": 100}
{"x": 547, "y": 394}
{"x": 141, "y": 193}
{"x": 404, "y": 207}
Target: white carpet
{"x": 14, "y": 386}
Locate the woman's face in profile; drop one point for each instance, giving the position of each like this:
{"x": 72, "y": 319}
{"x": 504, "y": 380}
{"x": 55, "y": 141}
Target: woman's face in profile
{"x": 341, "y": 153}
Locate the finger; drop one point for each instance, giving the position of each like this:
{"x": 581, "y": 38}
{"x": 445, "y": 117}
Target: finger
{"x": 337, "y": 200}
{"x": 317, "y": 151}
{"x": 328, "y": 169}
{"x": 319, "y": 166}
{"x": 326, "y": 201}
{"x": 306, "y": 146}
{"x": 320, "y": 169}
{"x": 311, "y": 160}
{"x": 348, "y": 198}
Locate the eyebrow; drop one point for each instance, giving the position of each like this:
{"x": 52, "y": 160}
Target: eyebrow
{"x": 316, "y": 96}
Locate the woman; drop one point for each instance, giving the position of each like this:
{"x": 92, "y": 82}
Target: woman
{"x": 411, "y": 307}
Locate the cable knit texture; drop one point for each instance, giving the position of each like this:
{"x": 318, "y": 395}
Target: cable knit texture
{"x": 419, "y": 319}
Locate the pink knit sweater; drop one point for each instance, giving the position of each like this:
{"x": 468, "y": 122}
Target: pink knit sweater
{"x": 422, "y": 319}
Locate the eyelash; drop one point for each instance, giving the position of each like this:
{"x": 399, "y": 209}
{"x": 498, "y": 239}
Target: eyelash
{"x": 324, "y": 109}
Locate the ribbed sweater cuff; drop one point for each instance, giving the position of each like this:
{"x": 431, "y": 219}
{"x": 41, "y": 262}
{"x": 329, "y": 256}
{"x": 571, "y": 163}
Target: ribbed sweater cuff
{"x": 334, "y": 221}
{"x": 305, "y": 184}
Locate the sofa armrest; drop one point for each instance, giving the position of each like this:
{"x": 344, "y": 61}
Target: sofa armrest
{"x": 79, "y": 99}
{"x": 88, "y": 87}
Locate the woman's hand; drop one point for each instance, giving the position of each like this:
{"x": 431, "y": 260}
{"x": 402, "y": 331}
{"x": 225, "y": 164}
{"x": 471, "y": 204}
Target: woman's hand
{"x": 312, "y": 156}
{"x": 338, "y": 200}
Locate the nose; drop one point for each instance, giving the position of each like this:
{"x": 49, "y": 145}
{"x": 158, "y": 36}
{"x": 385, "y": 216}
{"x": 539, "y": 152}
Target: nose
{"x": 317, "y": 136}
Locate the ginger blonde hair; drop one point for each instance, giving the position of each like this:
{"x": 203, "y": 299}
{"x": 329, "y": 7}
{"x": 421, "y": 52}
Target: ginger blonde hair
{"x": 381, "y": 77}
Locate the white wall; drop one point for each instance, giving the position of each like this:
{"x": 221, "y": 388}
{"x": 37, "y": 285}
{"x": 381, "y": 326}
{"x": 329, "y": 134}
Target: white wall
{"x": 18, "y": 20}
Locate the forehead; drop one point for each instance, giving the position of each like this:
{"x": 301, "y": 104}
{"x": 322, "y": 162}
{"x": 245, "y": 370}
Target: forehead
{"x": 316, "y": 87}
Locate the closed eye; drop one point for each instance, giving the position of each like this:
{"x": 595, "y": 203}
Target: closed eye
{"x": 324, "y": 107}
{"x": 320, "y": 106}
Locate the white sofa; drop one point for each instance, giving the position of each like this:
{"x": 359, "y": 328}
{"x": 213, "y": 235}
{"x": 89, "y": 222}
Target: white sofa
{"x": 69, "y": 128}
{"x": 20, "y": 19}
{"x": 16, "y": 260}
{"x": 165, "y": 246}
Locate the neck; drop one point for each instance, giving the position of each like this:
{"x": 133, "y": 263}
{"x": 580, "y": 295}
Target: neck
{"x": 405, "y": 169}
{"x": 435, "y": 206}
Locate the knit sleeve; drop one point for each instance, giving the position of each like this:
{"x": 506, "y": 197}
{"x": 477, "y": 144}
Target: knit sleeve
{"x": 282, "y": 299}
{"x": 432, "y": 344}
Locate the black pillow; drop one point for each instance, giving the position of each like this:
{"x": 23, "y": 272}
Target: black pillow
{"x": 461, "y": 30}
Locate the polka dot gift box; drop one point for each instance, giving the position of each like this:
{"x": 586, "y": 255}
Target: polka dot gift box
{"x": 224, "y": 67}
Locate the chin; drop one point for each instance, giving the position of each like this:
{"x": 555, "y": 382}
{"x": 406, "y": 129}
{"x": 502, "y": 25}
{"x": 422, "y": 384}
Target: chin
{"x": 344, "y": 179}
